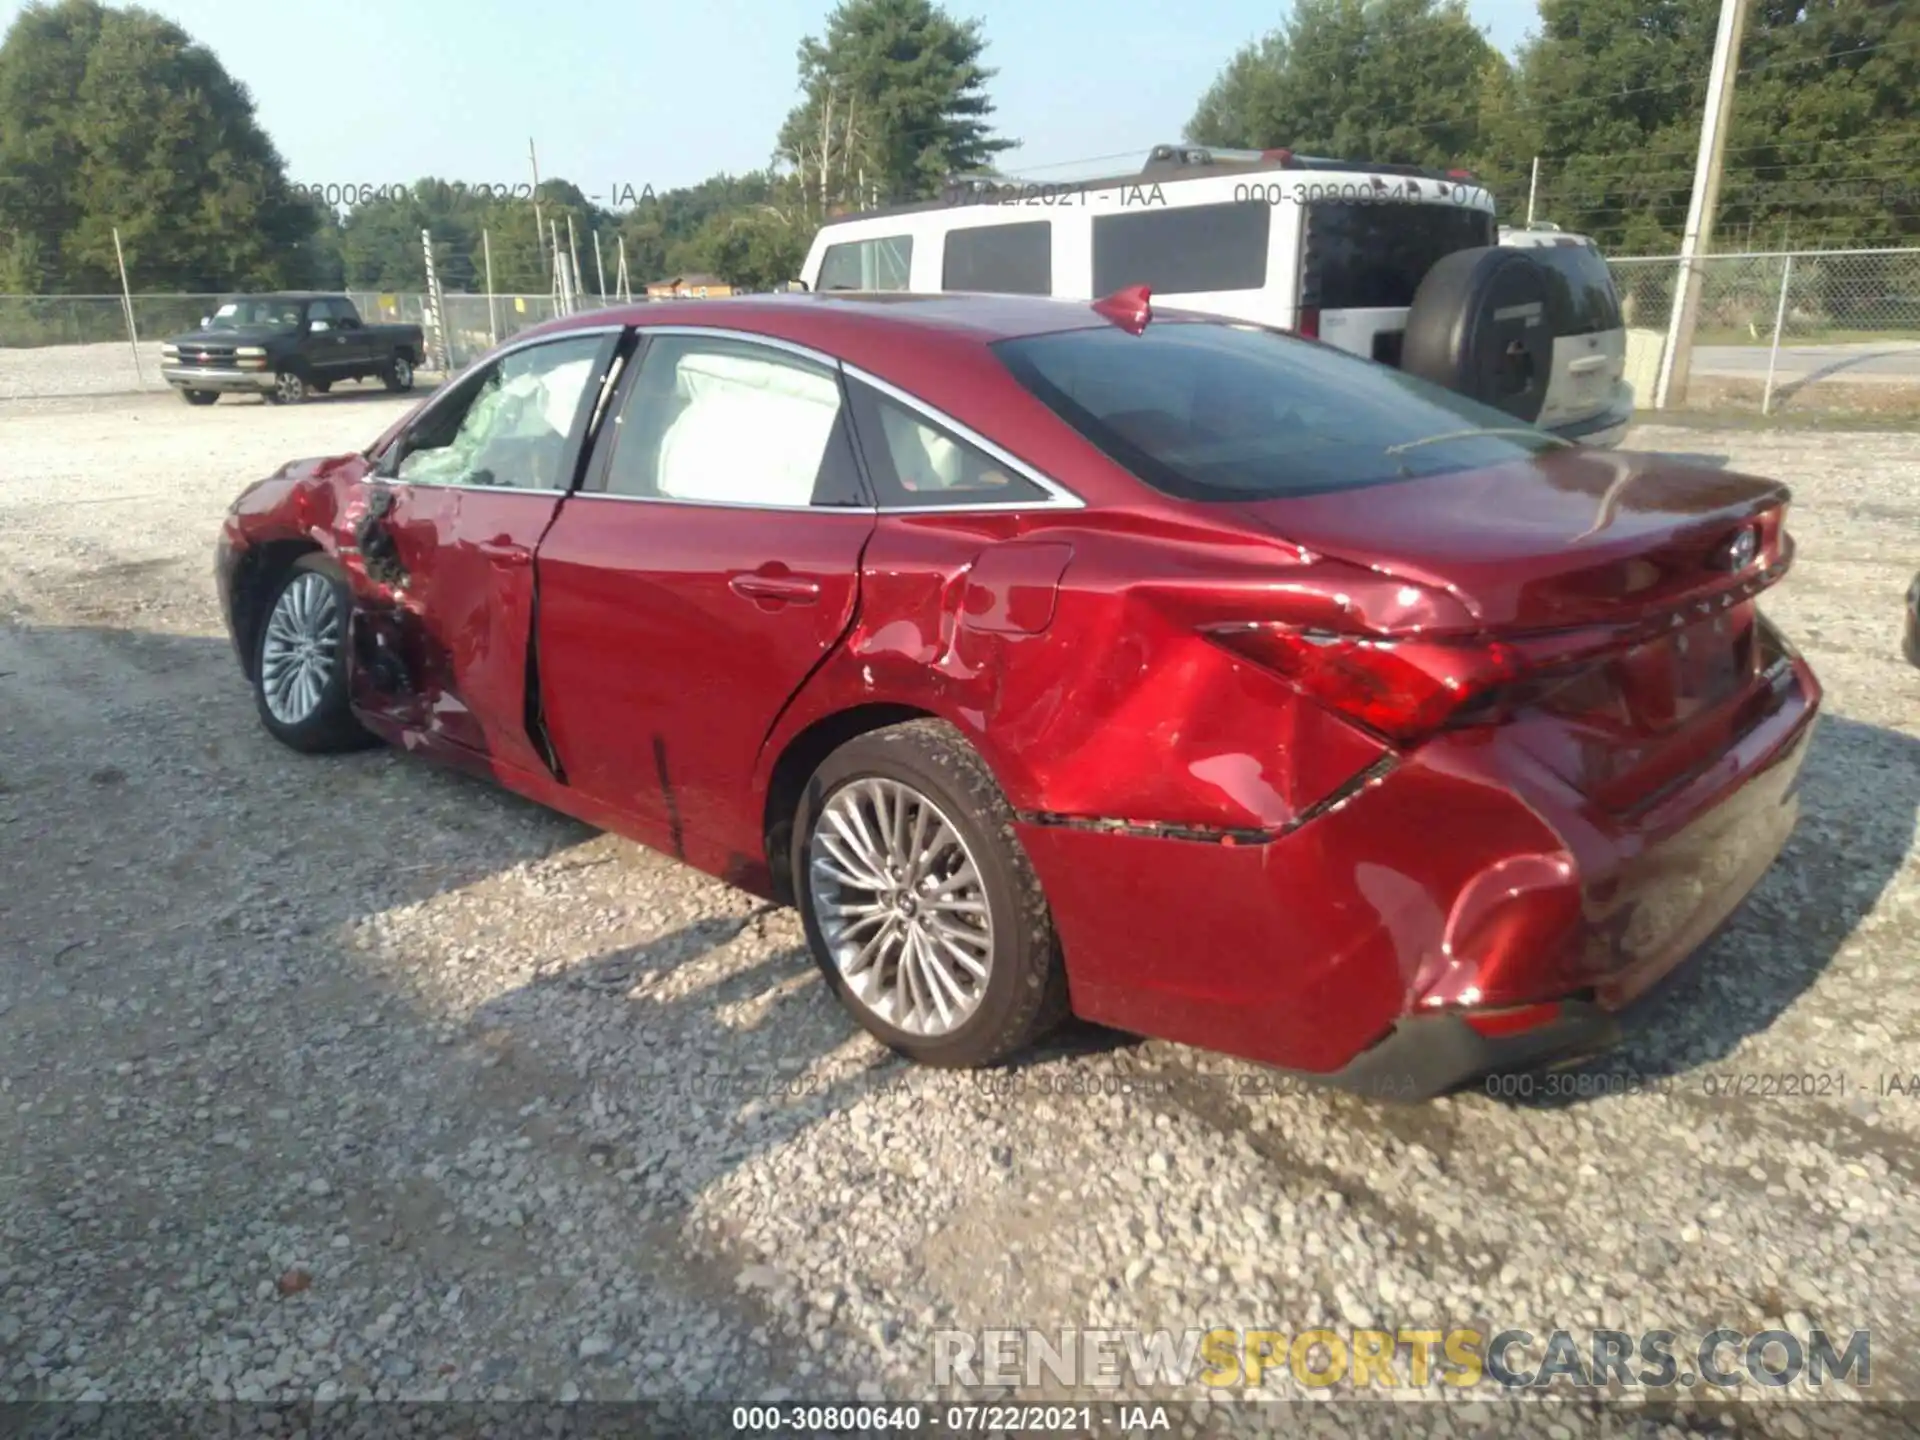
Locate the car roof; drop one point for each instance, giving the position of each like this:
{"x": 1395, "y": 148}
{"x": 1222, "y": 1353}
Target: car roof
{"x": 889, "y": 333}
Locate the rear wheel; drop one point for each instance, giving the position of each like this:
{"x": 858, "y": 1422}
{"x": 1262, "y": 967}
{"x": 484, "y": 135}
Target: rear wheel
{"x": 399, "y": 374}
{"x": 920, "y": 904}
{"x": 288, "y": 389}
{"x": 199, "y": 397}
{"x": 300, "y": 660}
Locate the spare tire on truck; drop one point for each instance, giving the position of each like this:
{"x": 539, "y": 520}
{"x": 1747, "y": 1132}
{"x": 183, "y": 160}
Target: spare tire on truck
{"x": 1479, "y": 326}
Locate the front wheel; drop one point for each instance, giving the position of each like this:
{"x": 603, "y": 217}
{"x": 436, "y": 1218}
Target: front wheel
{"x": 288, "y": 389}
{"x": 920, "y": 905}
{"x": 300, "y": 660}
{"x": 399, "y": 374}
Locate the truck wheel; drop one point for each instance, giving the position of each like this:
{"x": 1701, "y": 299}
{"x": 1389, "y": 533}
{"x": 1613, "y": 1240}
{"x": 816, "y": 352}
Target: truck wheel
{"x": 288, "y": 389}
{"x": 199, "y": 397}
{"x": 399, "y": 374}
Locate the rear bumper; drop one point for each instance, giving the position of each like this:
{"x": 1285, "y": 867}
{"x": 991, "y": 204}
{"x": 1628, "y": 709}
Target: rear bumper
{"x": 1428, "y": 1055}
{"x": 1604, "y": 430}
{"x": 1467, "y": 879}
{"x": 191, "y": 377}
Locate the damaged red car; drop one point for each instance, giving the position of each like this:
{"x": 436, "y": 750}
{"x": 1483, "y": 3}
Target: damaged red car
{"x": 1195, "y": 679}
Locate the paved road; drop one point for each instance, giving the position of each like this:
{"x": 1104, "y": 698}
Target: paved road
{"x": 1876, "y": 360}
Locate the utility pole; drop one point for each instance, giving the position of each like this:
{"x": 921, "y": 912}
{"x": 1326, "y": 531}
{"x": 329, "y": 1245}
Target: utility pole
{"x": 539, "y": 229}
{"x": 1533, "y": 189}
{"x": 1677, "y": 358}
{"x": 826, "y": 145}
{"x": 849, "y": 149}
{"x": 573, "y": 256}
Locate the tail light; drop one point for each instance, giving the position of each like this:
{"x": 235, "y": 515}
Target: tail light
{"x": 1403, "y": 691}
{"x": 1309, "y": 322}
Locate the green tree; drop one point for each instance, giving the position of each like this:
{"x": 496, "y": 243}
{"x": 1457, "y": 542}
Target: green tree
{"x": 893, "y": 101}
{"x": 117, "y": 118}
{"x": 1391, "y": 81}
{"x": 1823, "y": 145}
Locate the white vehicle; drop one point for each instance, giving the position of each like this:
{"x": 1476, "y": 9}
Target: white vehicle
{"x": 1396, "y": 263}
{"x": 1589, "y": 334}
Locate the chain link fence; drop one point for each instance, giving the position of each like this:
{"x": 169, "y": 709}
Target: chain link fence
{"x": 1836, "y": 331}
{"x": 72, "y": 345}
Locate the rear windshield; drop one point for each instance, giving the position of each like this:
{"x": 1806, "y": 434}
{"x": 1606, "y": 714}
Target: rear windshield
{"x": 1580, "y": 293}
{"x": 1361, "y": 256}
{"x": 1208, "y": 411}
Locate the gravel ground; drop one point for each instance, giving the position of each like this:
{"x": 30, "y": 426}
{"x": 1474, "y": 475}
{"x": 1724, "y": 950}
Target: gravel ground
{"x": 350, "y": 1077}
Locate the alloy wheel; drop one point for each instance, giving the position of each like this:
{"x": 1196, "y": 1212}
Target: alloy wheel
{"x": 288, "y": 388}
{"x": 900, "y": 903}
{"x": 300, "y": 648}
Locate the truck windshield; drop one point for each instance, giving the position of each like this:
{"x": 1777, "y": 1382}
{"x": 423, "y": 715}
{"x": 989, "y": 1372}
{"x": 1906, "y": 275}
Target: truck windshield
{"x": 1208, "y": 411}
{"x": 280, "y": 314}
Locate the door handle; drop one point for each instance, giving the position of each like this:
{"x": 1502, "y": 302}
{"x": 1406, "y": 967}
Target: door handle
{"x": 793, "y": 589}
{"x": 502, "y": 553}
{"x": 1586, "y": 364}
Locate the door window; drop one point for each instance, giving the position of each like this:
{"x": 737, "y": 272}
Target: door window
{"x": 1183, "y": 249}
{"x": 729, "y": 422}
{"x": 920, "y": 464}
{"x": 879, "y": 264}
{"x": 1012, "y": 259}
{"x": 511, "y": 424}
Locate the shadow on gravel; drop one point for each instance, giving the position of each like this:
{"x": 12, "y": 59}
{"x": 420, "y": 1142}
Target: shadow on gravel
{"x": 246, "y": 861}
{"x": 1860, "y": 793}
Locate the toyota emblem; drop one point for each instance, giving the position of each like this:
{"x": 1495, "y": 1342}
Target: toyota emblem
{"x": 1740, "y": 553}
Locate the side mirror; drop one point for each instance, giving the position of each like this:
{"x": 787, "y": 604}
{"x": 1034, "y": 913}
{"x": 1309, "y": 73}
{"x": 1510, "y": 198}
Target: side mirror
{"x": 205, "y": 320}
{"x": 793, "y": 286}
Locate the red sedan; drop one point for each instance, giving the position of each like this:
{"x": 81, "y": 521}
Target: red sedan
{"x": 1203, "y": 681}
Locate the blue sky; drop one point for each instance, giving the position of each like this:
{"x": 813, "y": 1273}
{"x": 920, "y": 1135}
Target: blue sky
{"x": 622, "y": 94}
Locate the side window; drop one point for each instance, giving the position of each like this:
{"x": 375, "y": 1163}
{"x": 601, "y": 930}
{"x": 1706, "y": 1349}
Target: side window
{"x": 919, "y": 463}
{"x": 1183, "y": 249}
{"x": 509, "y": 425}
{"x": 879, "y": 264}
{"x": 729, "y": 422}
{"x": 320, "y": 315}
{"x": 1003, "y": 259}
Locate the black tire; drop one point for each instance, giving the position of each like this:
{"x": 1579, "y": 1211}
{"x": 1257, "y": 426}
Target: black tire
{"x": 330, "y": 725}
{"x": 1480, "y": 325}
{"x": 398, "y": 376}
{"x": 199, "y": 397}
{"x": 1025, "y": 991}
{"x": 289, "y": 388}
{"x": 320, "y": 387}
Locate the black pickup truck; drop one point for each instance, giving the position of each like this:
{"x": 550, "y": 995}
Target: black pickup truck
{"x": 286, "y": 346}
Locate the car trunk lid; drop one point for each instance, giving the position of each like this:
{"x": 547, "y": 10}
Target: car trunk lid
{"x": 1622, "y": 585}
